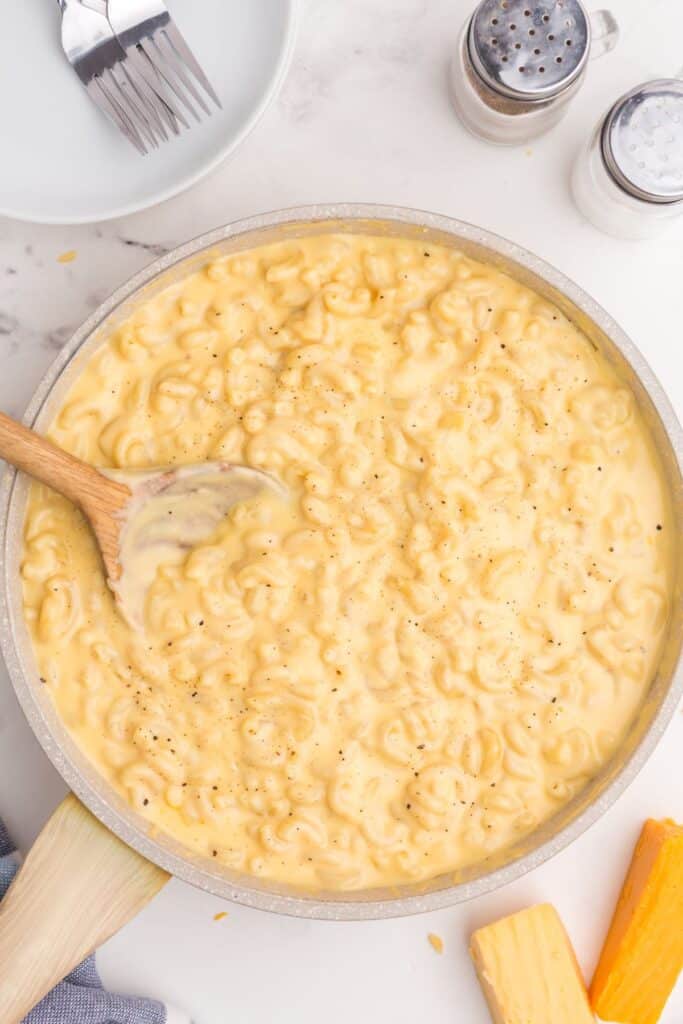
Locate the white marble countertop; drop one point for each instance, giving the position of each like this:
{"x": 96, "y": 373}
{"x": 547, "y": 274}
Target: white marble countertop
{"x": 363, "y": 116}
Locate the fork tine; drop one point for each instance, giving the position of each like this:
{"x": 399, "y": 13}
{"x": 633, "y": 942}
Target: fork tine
{"x": 100, "y": 96}
{"x": 167, "y": 73}
{"x": 151, "y": 102}
{"x": 156, "y": 89}
{"x": 125, "y": 98}
{"x": 177, "y": 41}
{"x": 175, "y": 70}
{"x": 140, "y": 59}
{"x": 137, "y": 105}
{"x": 110, "y": 87}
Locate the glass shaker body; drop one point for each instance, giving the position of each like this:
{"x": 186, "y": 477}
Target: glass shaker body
{"x": 518, "y": 64}
{"x": 627, "y": 180}
{"x": 497, "y": 118}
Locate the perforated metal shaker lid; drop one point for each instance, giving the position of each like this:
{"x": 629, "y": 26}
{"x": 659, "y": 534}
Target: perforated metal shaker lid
{"x": 642, "y": 141}
{"x": 529, "y": 49}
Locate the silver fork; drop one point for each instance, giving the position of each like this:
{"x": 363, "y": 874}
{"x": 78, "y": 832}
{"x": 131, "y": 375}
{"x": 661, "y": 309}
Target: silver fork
{"x": 111, "y": 81}
{"x": 153, "y": 44}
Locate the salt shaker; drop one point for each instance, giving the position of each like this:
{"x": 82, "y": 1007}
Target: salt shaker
{"x": 519, "y": 63}
{"x": 628, "y": 179}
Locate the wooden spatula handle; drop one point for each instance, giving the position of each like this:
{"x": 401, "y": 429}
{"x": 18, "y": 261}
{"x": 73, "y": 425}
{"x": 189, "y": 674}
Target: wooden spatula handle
{"x": 78, "y": 886}
{"x": 43, "y": 460}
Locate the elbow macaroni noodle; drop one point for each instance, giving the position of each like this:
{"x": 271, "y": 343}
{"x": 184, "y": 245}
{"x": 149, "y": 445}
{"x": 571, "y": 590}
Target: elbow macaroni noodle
{"x": 442, "y": 635}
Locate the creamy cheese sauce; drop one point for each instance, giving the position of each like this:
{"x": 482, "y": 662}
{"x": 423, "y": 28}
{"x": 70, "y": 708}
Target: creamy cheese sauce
{"x": 444, "y": 632}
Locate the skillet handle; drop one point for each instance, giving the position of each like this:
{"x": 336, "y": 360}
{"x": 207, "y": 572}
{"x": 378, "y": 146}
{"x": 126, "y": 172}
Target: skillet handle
{"x": 79, "y": 884}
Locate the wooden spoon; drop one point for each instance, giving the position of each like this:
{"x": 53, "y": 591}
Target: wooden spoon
{"x": 139, "y": 518}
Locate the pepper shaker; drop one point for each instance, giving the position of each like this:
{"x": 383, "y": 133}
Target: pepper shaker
{"x": 520, "y": 62}
{"x": 628, "y": 179}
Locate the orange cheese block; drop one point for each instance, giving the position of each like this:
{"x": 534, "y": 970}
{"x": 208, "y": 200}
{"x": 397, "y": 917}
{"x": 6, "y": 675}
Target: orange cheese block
{"x": 528, "y": 971}
{"x": 643, "y": 951}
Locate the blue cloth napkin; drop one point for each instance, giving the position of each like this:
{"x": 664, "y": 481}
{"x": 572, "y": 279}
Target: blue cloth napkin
{"x": 80, "y": 998}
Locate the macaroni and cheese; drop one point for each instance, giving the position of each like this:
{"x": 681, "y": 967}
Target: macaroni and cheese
{"x": 442, "y": 631}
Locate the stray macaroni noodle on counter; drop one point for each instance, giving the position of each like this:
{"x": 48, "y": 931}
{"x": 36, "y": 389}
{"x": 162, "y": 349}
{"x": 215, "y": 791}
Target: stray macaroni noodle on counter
{"x": 436, "y": 639}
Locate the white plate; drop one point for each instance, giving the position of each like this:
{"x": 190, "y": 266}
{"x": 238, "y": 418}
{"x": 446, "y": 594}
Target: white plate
{"x": 62, "y": 162}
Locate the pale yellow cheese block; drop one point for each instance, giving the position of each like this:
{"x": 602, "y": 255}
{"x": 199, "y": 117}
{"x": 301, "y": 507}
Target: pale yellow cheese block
{"x": 528, "y": 970}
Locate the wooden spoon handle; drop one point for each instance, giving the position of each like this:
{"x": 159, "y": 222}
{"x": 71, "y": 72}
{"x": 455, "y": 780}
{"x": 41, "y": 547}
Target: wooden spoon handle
{"x": 43, "y": 460}
{"x": 78, "y": 885}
